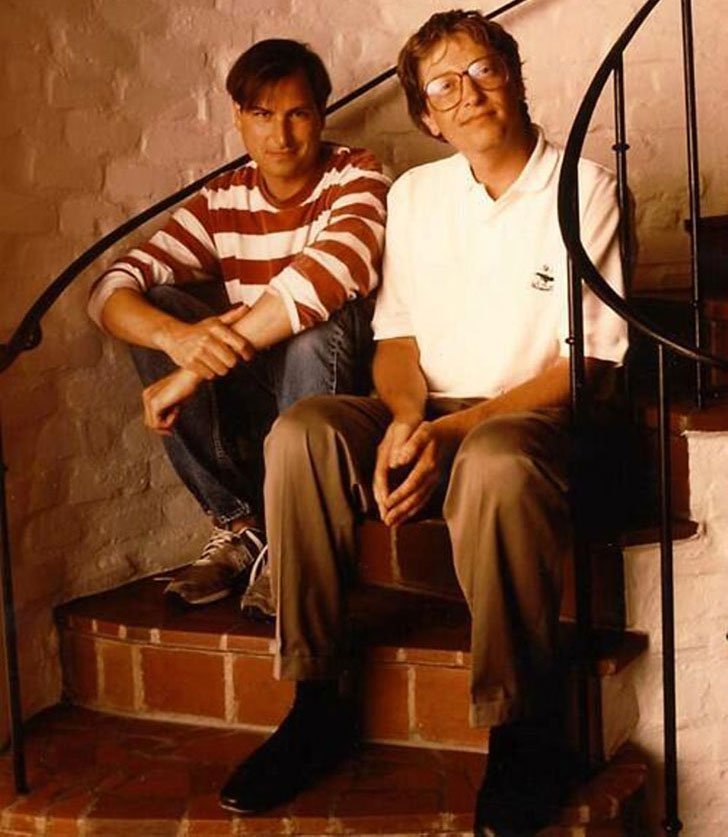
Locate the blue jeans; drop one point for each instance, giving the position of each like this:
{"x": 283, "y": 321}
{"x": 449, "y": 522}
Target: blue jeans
{"x": 217, "y": 444}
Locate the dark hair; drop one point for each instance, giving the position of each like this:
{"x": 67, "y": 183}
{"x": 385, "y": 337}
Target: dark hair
{"x": 443, "y": 25}
{"x": 272, "y": 60}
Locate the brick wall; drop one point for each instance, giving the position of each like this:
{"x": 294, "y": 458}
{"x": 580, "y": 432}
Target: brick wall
{"x": 107, "y": 105}
{"x": 701, "y": 620}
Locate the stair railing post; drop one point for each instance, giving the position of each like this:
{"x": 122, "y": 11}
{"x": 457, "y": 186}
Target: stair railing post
{"x": 582, "y": 568}
{"x": 671, "y": 823}
{"x": 620, "y": 148}
{"x": 10, "y": 639}
{"x": 691, "y": 117}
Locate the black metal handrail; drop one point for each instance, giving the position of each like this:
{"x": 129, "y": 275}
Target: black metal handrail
{"x": 583, "y": 269}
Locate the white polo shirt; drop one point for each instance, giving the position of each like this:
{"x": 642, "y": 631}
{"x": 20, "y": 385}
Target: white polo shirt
{"x": 481, "y": 284}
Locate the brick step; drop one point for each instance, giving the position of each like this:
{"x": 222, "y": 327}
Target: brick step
{"x": 672, "y": 311}
{"x": 643, "y": 457}
{"x": 418, "y": 557}
{"x": 93, "y": 774}
{"x": 131, "y": 651}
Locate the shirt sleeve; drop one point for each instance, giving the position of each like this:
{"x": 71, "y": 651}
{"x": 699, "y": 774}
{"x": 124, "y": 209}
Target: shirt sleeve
{"x": 392, "y": 311}
{"x": 343, "y": 260}
{"x": 183, "y": 251}
{"x": 605, "y": 332}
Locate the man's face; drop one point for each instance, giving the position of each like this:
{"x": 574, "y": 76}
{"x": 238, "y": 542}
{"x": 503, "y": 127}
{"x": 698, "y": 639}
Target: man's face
{"x": 281, "y": 130}
{"x": 483, "y": 120}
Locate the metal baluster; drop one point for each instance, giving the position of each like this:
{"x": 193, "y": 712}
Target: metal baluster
{"x": 11, "y": 650}
{"x": 582, "y": 568}
{"x": 620, "y": 148}
{"x": 671, "y": 823}
{"x": 693, "y": 187}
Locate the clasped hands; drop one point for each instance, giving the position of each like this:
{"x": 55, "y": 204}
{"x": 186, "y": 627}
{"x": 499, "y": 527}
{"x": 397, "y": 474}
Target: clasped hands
{"x": 421, "y": 453}
{"x": 203, "y": 351}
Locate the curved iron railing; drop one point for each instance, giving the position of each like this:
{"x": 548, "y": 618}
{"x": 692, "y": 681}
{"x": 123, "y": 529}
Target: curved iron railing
{"x": 582, "y": 268}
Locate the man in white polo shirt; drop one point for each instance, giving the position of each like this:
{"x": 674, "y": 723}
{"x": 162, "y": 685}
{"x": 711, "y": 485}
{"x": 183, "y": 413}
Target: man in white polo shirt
{"x": 472, "y": 376}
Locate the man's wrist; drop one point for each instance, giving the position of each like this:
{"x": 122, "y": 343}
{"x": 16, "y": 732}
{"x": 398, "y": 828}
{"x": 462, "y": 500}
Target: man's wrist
{"x": 188, "y": 376}
{"x": 453, "y": 425}
{"x": 162, "y": 336}
{"x": 410, "y": 417}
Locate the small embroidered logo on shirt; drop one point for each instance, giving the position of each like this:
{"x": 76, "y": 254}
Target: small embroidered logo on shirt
{"x": 542, "y": 279}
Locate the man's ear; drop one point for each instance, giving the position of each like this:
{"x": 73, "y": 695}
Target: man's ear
{"x": 430, "y": 124}
{"x": 237, "y": 112}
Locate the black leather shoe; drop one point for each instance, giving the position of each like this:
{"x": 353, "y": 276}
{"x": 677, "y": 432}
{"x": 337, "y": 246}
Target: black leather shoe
{"x": 314, "y": 739}
{"x": 528, "y": 778}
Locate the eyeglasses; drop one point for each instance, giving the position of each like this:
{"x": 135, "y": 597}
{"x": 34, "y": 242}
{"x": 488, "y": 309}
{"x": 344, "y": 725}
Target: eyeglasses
{"x": 446, "y": 91}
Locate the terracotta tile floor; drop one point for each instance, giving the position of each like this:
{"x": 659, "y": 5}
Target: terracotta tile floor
{"x": 95, "y": 774}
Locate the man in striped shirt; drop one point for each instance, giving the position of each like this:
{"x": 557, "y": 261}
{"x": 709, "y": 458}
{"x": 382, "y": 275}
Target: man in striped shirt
{"x": 296, "y": 237}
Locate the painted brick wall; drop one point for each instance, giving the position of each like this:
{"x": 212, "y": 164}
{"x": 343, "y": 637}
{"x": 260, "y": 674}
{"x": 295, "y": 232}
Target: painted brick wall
{"x": 701, "y": 621}
{"x": 108, "y": 104}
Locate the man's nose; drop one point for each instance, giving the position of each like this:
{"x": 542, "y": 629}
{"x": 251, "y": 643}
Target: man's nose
{"x": 282, "y": 132}
{"x": 472, "y": 94}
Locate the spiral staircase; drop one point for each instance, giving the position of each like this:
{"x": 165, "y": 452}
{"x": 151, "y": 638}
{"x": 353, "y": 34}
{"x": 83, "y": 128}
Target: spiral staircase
{"x": 161, "y": 702}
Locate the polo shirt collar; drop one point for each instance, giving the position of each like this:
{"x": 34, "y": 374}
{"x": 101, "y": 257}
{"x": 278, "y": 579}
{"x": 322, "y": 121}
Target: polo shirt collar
{"x": 535, "y": 176}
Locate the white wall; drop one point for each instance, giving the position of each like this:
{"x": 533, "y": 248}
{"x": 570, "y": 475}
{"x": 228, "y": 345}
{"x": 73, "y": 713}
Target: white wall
{"x": 701, "y": 621}
{"x": 108, "y": 104}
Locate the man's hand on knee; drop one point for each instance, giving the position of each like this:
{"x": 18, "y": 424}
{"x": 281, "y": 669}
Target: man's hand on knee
{"x": 162, "y": 399}
{"x": 389, "y": 464}
{"x": 211, "y": 347}
{"x": 427, "y": 453}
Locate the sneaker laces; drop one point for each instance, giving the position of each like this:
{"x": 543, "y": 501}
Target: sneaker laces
{"x": 218, "y": 539}
{"x": 224, "y": 537}
{"x": 259, "y": 566}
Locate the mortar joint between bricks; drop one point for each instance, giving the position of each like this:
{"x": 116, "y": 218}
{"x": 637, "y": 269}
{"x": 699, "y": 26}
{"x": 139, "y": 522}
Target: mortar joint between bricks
{"x": 411, "y": 703}
{"x": 137, "y": 678}
{"x": 229, "y": 701}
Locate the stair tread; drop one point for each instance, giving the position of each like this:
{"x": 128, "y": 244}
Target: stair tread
{"x": 398, "y": 625}
{"x": 645, "y": 533}
{"x": 714, "y": 306}
{"x": 88, "y": 771}
{"x": 684, "y": 416}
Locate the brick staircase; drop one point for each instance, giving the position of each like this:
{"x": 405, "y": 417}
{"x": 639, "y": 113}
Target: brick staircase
{"x": 162, "y": 702}
{"x": 196, "y": 694}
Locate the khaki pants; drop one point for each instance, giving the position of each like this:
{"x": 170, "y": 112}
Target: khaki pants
{"x": 507, "y": 513}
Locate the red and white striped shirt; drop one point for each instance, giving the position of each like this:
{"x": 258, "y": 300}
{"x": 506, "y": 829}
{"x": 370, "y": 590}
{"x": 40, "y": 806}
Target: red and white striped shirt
{"x": 316, "y": 250}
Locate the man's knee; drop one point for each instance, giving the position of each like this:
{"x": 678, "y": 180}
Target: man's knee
{"x": 301, "y": 427}
{"x": 328, "y": 429}
{"x": 503, "y": 472}
{"x": 308, "y": 348}
{"x": 490, "y": 463}
{"x": 178, "y": 302}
